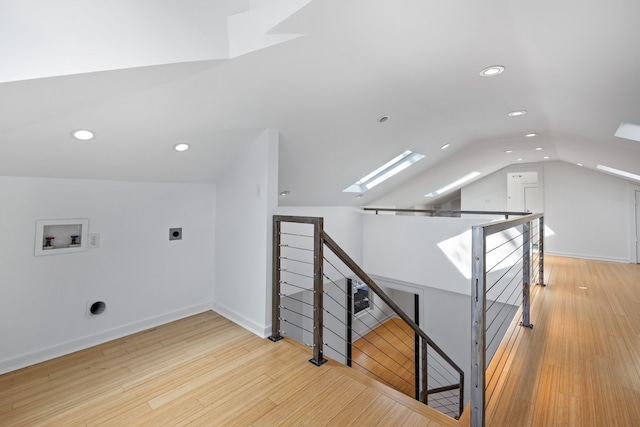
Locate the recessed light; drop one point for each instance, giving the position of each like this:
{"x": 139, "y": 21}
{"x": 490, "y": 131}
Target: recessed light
{"x": 517, "y": 113}
{"x": 445, "y": 146}
{"x": 531, "y": 135}
{"x": 359, "y": 196}
{"x": 181, "y": 147}
{"x": 494, "y": 70}
{"x": 383, "y": 119}
{"x": 285, "y": 193}
{"x": 579, "y": 164}
{"x": 546, "y": 157}
{"x": 508, "y": 151}
{"x": 83, "y": 134}
{"x": 519, "y": 159}
{"x": 539, "y": 148}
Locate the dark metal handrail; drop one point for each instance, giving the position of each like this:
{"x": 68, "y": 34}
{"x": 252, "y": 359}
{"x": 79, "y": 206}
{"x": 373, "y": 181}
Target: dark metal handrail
{"x": 433, "y": 212}
{"x": 337, "y": 250}
{"x": 320, "y": 239}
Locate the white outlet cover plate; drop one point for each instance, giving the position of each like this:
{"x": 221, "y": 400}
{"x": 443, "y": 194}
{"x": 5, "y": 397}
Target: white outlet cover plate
{"x": 94, "y": 240}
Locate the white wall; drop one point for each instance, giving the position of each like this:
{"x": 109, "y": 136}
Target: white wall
{"x": 586, "y": 212}
{"x": 247, "y": 197}
{"x": 406, "y": 248}
{"x": 342, "y": 224}
{"x": 145, "y": 279}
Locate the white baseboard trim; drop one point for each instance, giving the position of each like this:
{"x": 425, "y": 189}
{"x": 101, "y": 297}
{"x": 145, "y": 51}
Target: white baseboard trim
{"x": 28, "y": 359}
{"x": 583, "y": 256}
{"x": 263, "y": 331}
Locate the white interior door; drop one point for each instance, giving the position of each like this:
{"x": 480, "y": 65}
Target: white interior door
{"x": 531, "y": 198}
{"x": 637, "y": 227}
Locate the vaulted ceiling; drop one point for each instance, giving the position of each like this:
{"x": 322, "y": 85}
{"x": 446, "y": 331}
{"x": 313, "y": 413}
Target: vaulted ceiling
{"x": 145, "y": 75}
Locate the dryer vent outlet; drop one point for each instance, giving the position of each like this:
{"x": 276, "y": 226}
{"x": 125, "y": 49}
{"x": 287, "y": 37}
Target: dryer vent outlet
{"x": 96, "y": 308}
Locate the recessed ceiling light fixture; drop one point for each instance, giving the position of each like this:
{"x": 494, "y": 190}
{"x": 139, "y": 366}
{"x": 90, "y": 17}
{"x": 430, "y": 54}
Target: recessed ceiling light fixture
{"x": 579, "y": 164}
{"x": 519, "y": 159}
{"x": 619, "y": 172}
{"x": 517, "y": 113}
{"x": 285, "y": 193}
{"x": 539, "y": 148}
{"x": 83, "y": 134}
{"x": 508, "y": 151}
{"x": 494, "y": 70}
{"x": 384, "y": 172}
{"x": 383, "y": 119}
{"x": 454, "y": 184}
{"x": 531, "y": 135}
{"x": 181, "y": 147}
{"x": 445, "y": 146}
{"x": 546, "y": 157}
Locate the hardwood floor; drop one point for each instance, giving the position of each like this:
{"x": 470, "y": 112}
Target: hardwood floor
{"x": 387, "y": 354}
{"x": 202, "y": 370}
{"x": 391, "y": 343}
{"x": 580, "y": 365}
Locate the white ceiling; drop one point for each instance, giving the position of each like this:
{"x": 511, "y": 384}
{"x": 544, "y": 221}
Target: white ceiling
{"x": 147, "y": 74}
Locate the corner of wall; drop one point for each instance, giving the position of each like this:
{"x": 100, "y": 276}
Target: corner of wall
{"x": 247, "y": 197}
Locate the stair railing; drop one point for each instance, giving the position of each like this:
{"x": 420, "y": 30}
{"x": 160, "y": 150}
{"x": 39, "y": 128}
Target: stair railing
{"x": 507, "y": 259}
{"x": 303, "y": 293}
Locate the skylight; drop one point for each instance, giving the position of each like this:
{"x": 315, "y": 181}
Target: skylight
{"x": 628, "y": 131}
{"x": 619, "y": 172}
{"x": 454, "y": 184}
{"x": 384, "y": 172}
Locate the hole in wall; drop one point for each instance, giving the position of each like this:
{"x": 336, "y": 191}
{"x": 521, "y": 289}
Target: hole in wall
{"x": 97, "y": 308}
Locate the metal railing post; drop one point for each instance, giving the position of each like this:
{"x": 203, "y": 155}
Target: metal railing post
{"x": 541, "y": 251}
{"x": 478, "y": 330}
{"x": 526, "y": 275}
{"x": 416, "y": 343}
{"x": 318, "y": 278}
{"x": 275, "y": 279}
{"x": 425, "y": 373}
{"x": 349, "y": 330}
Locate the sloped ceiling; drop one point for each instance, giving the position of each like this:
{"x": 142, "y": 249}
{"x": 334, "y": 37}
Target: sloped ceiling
{"x": 147, "y": 74}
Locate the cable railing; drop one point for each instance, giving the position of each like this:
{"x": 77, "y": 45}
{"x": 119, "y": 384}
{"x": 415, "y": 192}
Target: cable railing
{"x": 446, "y": 212}
{"x": 324, "y": 300}
{"x": 507, "y": 260}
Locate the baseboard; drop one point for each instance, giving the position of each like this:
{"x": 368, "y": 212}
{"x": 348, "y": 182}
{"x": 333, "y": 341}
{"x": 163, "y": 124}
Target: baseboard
{"x": 68, "y": 347}
{"x": 583, "y": 256}
{"x": 263, "y": 331}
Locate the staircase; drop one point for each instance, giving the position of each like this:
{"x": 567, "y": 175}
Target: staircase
{"x": 314, "y": 283}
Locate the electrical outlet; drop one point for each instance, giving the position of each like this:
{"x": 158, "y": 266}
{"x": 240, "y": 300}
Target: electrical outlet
{"x": 94, "y": 240}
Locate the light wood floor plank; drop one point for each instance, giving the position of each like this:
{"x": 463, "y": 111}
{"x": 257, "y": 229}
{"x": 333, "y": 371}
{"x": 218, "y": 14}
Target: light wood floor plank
{"x": 579, "y": 366}
{"x": 202, "y": 370}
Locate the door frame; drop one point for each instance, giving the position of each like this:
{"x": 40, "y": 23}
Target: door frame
{"x": 634, "y": 228}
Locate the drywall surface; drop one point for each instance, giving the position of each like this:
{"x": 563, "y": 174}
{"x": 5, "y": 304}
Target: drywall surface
{"x": 342, "y": 224}
{"x": 143, "y": 278}
{"x": 586, "y": 212}
{"x": 247, "y": 196}
{"x": 434, "y": 252}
